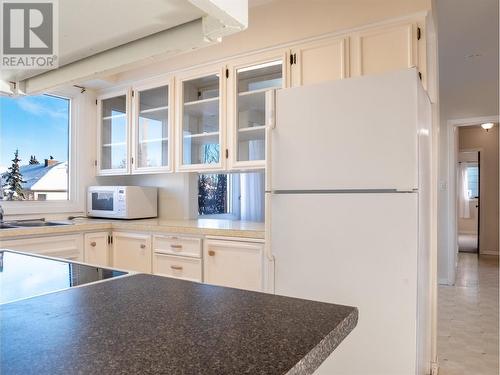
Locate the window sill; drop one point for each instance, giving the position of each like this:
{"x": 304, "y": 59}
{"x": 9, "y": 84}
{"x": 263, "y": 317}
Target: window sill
{"x": 40, "y": 207}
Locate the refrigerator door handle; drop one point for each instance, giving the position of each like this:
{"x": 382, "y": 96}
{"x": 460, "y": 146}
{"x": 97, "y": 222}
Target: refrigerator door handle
{"x": 270, "y": 109}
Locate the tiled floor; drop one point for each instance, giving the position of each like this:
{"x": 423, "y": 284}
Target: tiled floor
{"x": 468, "y": 319}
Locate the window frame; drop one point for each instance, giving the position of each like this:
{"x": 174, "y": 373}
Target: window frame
{"x": 75, "y": 201}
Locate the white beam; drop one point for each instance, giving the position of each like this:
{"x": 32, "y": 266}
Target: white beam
{"x": 224, "y": 17}
{"x": 158, "y": 46}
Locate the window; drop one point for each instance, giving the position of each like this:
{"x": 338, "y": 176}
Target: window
{"x": 237, "y": 196}
{"x": 472, "y": 181}
{"x": 34, "y": 148}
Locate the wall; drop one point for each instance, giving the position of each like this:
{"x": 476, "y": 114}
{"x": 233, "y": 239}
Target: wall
{"x": 474, "y": 137}
{"x": 177, "y": 192}
{"x": 468, "y": 89}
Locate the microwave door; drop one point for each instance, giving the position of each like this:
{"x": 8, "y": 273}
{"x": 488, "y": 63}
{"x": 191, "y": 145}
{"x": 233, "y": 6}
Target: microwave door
{"x": 103, "y": 203}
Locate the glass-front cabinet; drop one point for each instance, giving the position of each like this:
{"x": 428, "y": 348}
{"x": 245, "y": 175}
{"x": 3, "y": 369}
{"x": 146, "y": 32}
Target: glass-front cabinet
{"x": 113, "y": 134}
{"x": 251, "y": 106}
{"x": 152, "y": 129}
{"x": 200, "y": 119}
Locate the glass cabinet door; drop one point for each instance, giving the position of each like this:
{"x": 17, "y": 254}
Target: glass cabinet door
{"x": 152, "y": 129}
{"x": 201, "y": 121}
{"x": 114, "y": 134}
{"x": 252, "y": 84}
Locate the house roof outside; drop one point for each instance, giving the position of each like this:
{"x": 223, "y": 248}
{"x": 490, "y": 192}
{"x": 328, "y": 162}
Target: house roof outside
{"x": 39, "y": 177}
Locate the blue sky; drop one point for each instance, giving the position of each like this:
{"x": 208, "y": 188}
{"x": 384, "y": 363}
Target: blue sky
{"x": 36, "y": 125}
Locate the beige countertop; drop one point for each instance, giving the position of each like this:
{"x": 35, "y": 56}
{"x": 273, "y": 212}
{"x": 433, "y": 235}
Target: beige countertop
{"x": 206, "y": 227}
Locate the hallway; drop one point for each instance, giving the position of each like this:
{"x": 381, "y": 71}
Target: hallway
{"x": 468, "y": 319}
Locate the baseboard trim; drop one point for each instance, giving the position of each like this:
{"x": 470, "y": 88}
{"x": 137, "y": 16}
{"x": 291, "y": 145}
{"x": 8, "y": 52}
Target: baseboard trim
{"x": 488, "y": 252}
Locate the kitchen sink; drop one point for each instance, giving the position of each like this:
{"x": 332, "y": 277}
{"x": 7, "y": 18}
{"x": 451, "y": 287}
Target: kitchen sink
{"x": 31, "y": 224}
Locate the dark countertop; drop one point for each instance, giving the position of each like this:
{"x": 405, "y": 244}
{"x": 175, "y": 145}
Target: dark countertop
{"x": 144, "y": 324}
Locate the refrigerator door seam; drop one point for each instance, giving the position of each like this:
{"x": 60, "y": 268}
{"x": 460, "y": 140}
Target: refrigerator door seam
{"x": 344, "y": 191}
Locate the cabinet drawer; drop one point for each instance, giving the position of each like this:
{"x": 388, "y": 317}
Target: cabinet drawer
{"x": 178, "y": 267}
{"x": 183, "y": 246}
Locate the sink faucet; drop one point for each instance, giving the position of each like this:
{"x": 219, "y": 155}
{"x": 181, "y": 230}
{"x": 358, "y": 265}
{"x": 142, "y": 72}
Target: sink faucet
{"x": 1, "y": 214}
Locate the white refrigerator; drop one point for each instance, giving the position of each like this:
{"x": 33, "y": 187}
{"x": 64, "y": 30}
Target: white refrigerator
{"x": 348, "y": 213}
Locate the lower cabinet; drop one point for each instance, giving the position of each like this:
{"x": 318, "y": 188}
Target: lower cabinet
{"x": 236, "y": 264}
{"x": 177, "y": 256}
{"x": 132, "y": 251}
{"x": 97, "y": 248}
{"x": 68, "y": 246}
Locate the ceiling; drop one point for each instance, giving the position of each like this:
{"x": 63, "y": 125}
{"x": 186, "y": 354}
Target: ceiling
{"x": 468, "y": 58}
{"x": 88, "y": 27}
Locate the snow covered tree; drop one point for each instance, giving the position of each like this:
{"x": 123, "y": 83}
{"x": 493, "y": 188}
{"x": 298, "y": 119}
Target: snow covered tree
{"x": 33, "y": 160}
{"x": 14, "y": 180}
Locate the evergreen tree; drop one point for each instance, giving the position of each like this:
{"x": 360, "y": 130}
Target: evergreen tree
{"x": 14, "y": 180}
{"x": 33, "y": 160}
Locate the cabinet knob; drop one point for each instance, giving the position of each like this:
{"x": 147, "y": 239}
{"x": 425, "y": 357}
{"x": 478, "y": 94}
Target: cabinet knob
{"x": 211, "y": 253}
{"x": 143, "y": 246}
{"x": 177, "y": 268}
{"x": 93, "y": 244}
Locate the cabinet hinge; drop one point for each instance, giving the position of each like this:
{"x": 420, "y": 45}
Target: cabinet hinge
{"x": 95, "y": 163}
{"x": 110, "y": 239}
{"x": 96, "y": 102}
{"x": 227, "y": 73}
{"x": 227, "y": 153}
{"x": 419, "y": 33}
{"x": 420, "y": 75}
{"x": 132, "y": 160}
{"x": 293, "y": 59}
{"x": 132, "y": 93}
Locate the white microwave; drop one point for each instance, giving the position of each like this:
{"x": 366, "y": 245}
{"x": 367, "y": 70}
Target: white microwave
{"x": 122, "y": 202}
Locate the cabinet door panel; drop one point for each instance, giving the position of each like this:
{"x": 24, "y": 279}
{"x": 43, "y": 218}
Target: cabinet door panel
{"x": 152, "y": 129}
{"x": 113, "y": 135}
{"x": 97, "y": 248}
{"x": 200, "y": 129}
{"x": 132, "y": 252}
{"x": 66, "y": 247}
{"x": 320, "y": 61}
{"x": 234, "y": 264}
{"x": 386, "y": 49}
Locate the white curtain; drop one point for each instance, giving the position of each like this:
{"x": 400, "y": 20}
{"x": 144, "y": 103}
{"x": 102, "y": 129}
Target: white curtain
{"x": 252, "y": 187}
{"x": 463, "y": 192}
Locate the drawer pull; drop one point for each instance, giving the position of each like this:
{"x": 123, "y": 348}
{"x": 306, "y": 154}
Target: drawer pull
{"x": 143, "y": 246}
{"x": 93, "y": 244}
{"x": 177, "y": 268}
{"x": 176, "y": 247}
{"x": 211, "y": 253}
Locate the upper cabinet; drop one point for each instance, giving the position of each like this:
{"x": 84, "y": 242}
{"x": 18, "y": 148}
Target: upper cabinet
{"x": 319, "y": 61}
{"x": 200, "y": 120}
{"x": 152, "y": 129}
{"x": 251, "y": 110}
{"x": 382, "y": 49}
{"x": 218, "y": 117}
{"x": 113, "y": 133}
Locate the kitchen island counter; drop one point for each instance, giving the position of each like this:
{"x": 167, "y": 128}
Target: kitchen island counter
{"x": 145, "y": 324}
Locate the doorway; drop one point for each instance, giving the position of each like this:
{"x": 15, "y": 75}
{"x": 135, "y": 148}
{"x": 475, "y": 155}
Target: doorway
{"x": 468, "y": 198}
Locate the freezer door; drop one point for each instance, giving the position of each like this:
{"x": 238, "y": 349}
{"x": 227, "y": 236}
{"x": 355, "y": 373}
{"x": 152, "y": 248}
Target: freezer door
{"x": 358, "y": 133}
{"x": 358, "y": 250}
